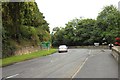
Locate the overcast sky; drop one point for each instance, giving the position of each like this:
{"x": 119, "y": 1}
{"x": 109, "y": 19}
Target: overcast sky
{"x": 58, "y": 12}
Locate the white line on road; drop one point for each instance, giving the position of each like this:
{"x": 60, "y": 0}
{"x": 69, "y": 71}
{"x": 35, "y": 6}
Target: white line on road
{"x": 89, "y": 52}
{"x": 81, "y": 65}
{"x": 12, "y": 76}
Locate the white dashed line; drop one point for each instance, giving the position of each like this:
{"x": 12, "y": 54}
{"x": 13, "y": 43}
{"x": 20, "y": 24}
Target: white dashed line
{"x": 89, "y": 52}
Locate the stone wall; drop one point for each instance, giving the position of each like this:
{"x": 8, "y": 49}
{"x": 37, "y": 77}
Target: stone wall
{"x": 27, "y": 50}
{"x": 116, "y": 52}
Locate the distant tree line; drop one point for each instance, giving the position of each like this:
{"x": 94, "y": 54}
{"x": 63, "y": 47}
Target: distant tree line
{"x": 23, "y": 25}
{"x": 81, "y": 31}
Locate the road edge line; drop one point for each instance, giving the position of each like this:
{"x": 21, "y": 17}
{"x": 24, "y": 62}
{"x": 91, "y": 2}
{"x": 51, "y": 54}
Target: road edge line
{"x": 12, "y": 76}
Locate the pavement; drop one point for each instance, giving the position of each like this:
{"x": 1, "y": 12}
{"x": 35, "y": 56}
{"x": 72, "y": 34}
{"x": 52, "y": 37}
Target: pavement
{"x": 76, "y": 63}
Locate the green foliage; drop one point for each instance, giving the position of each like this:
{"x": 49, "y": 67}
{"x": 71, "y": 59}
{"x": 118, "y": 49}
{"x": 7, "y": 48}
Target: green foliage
{"x": 76, "y": 32}
{"x": 108, "y": 21}
{"x": 88, "y": 31}
{"x": 22, "y": 21}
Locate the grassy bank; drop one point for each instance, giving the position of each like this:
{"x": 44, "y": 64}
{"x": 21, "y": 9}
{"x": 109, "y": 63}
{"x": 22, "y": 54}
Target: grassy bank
{"x": 14, "y": 59}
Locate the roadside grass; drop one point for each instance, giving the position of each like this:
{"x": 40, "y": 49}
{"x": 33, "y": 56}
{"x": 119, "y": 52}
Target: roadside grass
{"x": 19, "y": 58}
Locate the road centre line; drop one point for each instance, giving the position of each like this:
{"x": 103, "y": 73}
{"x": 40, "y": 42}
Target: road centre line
{"x": 81, "y": 65}
{"x": 89, "y": 52}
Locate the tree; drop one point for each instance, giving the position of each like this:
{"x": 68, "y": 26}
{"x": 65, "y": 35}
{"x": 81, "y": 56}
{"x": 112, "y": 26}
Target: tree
{"x": 76, "y": 32}
{"x": 22, "y": 22}
{"x": 108, "y": 21}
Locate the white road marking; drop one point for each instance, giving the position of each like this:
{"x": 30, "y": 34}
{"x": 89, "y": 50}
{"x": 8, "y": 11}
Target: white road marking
{"x": 12, "y": 76}
{"x": 81, "y": 65}
{"x": 89, "y": 52}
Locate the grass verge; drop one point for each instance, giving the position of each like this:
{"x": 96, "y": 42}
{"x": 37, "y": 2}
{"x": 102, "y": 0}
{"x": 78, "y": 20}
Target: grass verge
{"x": 19, "y": 58}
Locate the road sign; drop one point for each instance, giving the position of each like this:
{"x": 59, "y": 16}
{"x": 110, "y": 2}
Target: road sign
{"x": 45, "y": 45}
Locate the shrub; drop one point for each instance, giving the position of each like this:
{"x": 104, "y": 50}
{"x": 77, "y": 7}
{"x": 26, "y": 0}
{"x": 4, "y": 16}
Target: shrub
{"x": 117, "y": 43}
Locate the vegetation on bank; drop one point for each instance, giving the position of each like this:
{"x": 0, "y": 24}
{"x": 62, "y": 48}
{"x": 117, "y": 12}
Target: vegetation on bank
{"x": 19, "y": 58}
{"x": 23, "y": 26}
{"x": 78, "y": 32}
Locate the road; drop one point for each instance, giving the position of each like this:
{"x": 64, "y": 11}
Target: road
{"x": 76, "y": 63}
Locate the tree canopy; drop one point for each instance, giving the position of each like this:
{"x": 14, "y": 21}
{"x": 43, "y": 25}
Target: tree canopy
{"x": 88, "y": 31}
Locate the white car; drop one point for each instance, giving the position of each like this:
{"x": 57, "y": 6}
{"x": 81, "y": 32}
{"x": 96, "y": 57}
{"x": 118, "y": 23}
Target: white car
{"x": 63, "y": 48}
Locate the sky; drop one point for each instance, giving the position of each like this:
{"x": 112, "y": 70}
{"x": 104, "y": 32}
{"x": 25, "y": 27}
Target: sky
{"x": 58, "y": 12}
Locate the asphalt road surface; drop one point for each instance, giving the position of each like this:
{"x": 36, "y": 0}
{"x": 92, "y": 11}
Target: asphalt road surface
{"x": 76, "y": 63}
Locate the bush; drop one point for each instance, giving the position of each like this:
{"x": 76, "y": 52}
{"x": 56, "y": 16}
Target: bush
{"x": 29, "y": 32}
{"x": 117, "y": 43}
{"x": 8, "y": 49}
{"x": 25, "y": 31}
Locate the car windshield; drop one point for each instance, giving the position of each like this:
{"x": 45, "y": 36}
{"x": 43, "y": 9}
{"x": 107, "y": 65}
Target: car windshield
{"x": 62, "y": 46}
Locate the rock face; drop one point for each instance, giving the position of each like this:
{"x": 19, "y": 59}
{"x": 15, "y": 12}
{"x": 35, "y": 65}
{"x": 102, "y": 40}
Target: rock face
{"x": 27, "y": 50}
